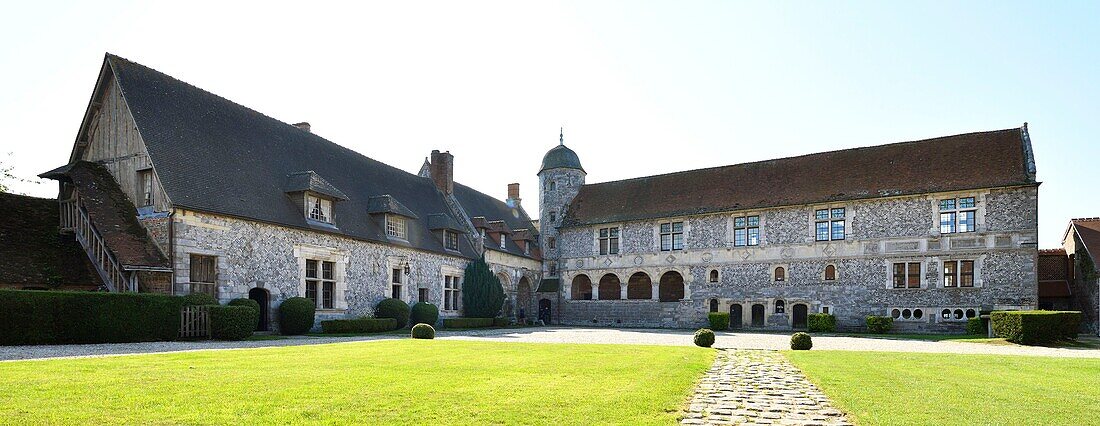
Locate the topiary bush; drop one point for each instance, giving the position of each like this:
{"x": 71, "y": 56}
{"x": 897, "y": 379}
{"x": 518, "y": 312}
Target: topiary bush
{"x": 233, "y": 322}
{"x": 358, "y": 325}
{"x": 704, "y": 338}
{"x": 1035, "y": 327}
{"x": 60, "y": 317}
{"x": 199, "y": 299}
{"x": 976, "y": 325}
{"x": 879, "y": 325}
{"x": 821, "y": 323}
{"x": 801, "y": 342}
{"x": 249, "y": 303}
{"x": 393, "y": 308}
{"x": 482, "y": 294}
{"x": 296, "y": 315}
{"x": 424, "y": 313}
{"x": 423, "y": 331}
{"x": 719, "y": 320}
{"x": 467, "y": 322}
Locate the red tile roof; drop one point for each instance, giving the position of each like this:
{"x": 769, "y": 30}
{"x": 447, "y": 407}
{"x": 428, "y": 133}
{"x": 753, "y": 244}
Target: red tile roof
{"x": 1088, "y": 230}
{"x": 975, "y": 160}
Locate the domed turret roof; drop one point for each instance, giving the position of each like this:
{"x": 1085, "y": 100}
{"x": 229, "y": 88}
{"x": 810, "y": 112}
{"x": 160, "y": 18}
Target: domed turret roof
{"x": 561, "y": 157}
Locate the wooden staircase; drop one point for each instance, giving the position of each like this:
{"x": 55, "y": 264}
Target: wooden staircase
{"x": 74, "y": 218}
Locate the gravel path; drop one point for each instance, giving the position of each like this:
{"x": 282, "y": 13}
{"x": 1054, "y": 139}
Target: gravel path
{"x": 563, "y": 335}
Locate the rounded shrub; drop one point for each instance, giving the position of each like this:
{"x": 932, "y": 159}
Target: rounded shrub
{"x": 232, "y": 322}
{"x": 424, "y": 313}
{"x": 423, "y": 331}
{"x": 393, "y": 308}
{"x": 704, "y": 337}
{"x": 240, "y": 301}
{"x": 199, "y": 299}
{"x": 879, "y": 325}
{"x": 801, "y": 342}
{"x": 296, "y": 315}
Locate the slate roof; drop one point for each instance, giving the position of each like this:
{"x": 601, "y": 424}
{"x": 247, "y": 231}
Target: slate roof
{"x": 33, "y": 253}
{"x": 388, "y": 204}
{"x": 561, "y": 157}
{"x": 442, "y": 221}
{"x": 311, "y": 181}
{"x": 969, "y": 161}
{"x": 216, "y": 156}
{"x": 479, "y": 205}
{"x": 1088, "y": 230}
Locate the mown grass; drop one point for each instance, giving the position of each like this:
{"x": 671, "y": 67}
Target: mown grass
{"x": 385, "y": 382}
{"x": 918, "y": 388}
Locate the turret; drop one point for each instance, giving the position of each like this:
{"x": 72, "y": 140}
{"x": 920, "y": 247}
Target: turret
{"x": 560, "y": 178}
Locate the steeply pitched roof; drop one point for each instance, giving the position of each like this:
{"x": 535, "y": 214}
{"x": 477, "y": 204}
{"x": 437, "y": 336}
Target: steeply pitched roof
{"x": 388, "y": 204}
{"x": 310, "y": 181}
{"x": 478, "y": 204}
{"x": 216, "y": 156}
{"x": 969, "y": 161}
{"x": 1088, "y": 230}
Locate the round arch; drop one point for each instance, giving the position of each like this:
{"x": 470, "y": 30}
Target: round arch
{"x": 639, "y": 286}
{"x": 671, "y": 287}
{"x": 581, "y": 288}
{"x": 610, "y": 287}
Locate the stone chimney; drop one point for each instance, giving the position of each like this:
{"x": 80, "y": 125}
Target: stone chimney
{"x": 513, "y": 195}
{"x": 442, "y": 167}
{"x": 303, "y": 125}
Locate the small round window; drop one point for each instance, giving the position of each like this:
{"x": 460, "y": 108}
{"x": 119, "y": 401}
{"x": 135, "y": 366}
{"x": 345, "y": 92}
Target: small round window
{"x": 896, "y": 314}
{"x": 946, "y": 314}
{"x": 906, "y": 314}
{"x": 918, "y": 314}
{"x": 970, "y": 313}
{"x": 958, "y": 314}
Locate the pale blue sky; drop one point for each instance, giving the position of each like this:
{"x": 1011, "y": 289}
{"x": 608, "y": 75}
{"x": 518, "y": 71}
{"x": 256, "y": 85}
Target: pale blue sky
{"x": 641, "y": 87}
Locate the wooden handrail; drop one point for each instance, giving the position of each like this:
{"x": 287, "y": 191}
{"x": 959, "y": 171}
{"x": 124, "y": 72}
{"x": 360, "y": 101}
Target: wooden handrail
{"x": 75, "y": 218}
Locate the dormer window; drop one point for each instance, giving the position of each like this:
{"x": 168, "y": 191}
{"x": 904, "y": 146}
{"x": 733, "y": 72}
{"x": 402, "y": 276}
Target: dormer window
{"x": 319, "y": 209}
{"x": 503, "y": 240}
{"x": 450, "y": 239}
{"x": 395, "y": 226}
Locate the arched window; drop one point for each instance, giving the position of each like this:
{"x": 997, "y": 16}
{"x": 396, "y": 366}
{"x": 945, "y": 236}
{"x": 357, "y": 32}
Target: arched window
{"x": 671, "y": 287}
{"x": 609, "y": 287}
{"x": 582, "y": 288}
{"x": 713, "y": 275}
{"x": 714, "y": 305}
{"x": 780, "y": 307}
{"x": 780, "y": 273}
{"x": 830, "y": 272}
{"x": 639, "y": 286}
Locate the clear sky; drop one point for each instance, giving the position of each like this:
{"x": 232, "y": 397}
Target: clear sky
{"x": 642, "y": 88}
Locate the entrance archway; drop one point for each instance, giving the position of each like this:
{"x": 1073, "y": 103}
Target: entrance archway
{"x": 671, "y": 287}
{"x": 544, "y": 311}
{"x": 799, "y": 313}
{"x": 735, "y": 316}
{"x": 523, "y": 299}
{"x": 758, "y": 315}
{"x": 262, "y": 297}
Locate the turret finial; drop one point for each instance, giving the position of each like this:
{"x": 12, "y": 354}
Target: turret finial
{"x": 561, "y": 136}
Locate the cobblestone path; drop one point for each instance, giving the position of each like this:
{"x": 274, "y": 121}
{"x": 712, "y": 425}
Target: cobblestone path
{"x": 759, "y": 387}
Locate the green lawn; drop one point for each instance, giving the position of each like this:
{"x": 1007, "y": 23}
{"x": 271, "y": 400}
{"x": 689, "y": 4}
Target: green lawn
{"x": 914, "y": 388}
{"x": 389, "y": 382}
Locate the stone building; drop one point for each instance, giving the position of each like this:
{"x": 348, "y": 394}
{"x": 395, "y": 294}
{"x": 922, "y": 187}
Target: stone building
{"x": 1079, "y": 261}
{"x": 928, "y": 232}
{"x": 173, "y": 189}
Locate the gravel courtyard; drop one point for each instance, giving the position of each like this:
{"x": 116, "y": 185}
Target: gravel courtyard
{"x": 727, "y": 340}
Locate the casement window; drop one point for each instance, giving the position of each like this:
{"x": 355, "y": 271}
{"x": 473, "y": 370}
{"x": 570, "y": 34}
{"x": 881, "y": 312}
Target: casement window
{"x": 319, "y": 209}
{"x": 145, "y": 188}
{"x": 395, "y": 226}
{"x": 321, "y": 283}
{"x": 450, "y": 240}
{"x": 609, "y": 240}
{"x": 780, "y": 307}
{"x": 829, "y": 224}
{"x": 552, "y": 243}
{"x": 396, "y": 280}
{"x": 957, "y": 215}
{"x": 907, "y": 314}
{"x": 746, "y": 231}
{"x": 713, "y": 275}
{"x": 553, "y": 217}
{"x": 907, "y": 275}
{"x": 830, "y": 273}
{"x": 451, "y": 293}
{"x": 503, "y": 241}
{"x": 957, "y": 314}
{"x": 527, "y": 247}
{"x": 552, "y": 268}
{"x": 672, "y": 236}
{"x": 958, "y": 273}
{"x": 422, "y": 295}
{"x": 779, "y": 274}
{"x": 826, "y": 310}
{"x": 204, "y": 274}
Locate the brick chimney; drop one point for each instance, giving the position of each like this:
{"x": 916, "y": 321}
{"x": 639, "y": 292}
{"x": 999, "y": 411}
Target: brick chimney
{"x": 304, "y": 126}
{"x": 442, "y": 167}
{"x": 513, "y": 195}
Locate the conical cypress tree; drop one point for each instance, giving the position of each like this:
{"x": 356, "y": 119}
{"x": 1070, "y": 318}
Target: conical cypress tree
{"x": 482, "y": 294}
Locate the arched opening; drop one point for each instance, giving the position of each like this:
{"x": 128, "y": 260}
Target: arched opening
{"x": 758, "y": 315}
{"x": 609, "y": 287}
{"x": 713, "y": 275}
{"x": 544, "y": 311}
{"x": 780, "y": 273}
{"x": 582, "y": 288}
{"x": 523, "y": 299}
{"x": 505, "y": 306}
{"x": 671, "y": 287}
{"x": 639, "y": 286}
{"x": 262, "y": 297}
{"x": 735, "y": 316}
{"x": 830, "y": 272}
{"x": 714, "y": 305}
{"x": 780, "y": 307}
{"x": 798, "y": 315}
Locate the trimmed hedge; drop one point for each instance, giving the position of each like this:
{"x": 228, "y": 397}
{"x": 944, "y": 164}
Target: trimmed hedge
{"x": 1035, "y": 327}
{"x": 424, "y": 313}
{"x": 393, "y": 308}
{"x": 801, "y": 342}
{"x": 821, "y": 323}
{"x": 719, "y": 320}
{"x": 879, "y": 325}
{"x": 233, "y": 322}
{"x": 296, "y": 315}
{"x": 199, "y": 299}
{"x": 36, "y": 317}
{"x": 976, "y": 325}
{"x": 704, "y": 337}
{"x": 244, "y": 302}
{"x": 423, "y": 331}
{"x": 501, "y": 322}
{"x": 467, "y": 322}
{"x": 358, "y": 325}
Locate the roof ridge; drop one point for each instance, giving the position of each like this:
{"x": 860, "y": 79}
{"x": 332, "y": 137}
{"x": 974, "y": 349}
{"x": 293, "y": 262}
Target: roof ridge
{"x": 771, "y": 160}
{"x": 1085, "y": 219}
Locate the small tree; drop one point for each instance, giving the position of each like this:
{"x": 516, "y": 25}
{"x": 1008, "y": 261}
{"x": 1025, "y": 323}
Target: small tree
{"x": 482, "y": 294}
